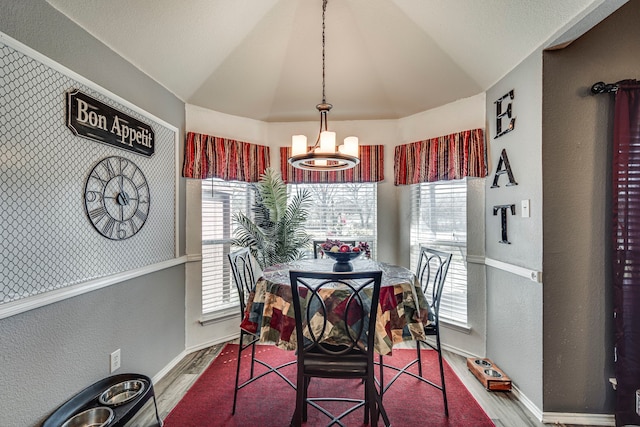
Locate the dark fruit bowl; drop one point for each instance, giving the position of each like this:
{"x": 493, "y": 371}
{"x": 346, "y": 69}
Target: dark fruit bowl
{"x": 343, "y": 256}
{"x": 343, "y": 259}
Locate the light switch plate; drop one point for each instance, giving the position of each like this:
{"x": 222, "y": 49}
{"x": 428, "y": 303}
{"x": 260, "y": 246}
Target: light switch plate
{"x": 525, "y": 209}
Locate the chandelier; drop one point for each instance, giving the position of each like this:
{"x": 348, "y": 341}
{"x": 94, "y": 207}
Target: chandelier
{"x": 322, "y": 156}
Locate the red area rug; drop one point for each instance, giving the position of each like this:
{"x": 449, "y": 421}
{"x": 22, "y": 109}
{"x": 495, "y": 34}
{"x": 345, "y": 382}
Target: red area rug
{"x": 271, "y": 402}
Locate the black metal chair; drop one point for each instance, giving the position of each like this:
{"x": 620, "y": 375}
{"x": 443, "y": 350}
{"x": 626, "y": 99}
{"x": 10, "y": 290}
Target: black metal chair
{"x": 243, "y": 269}
{"x": 433, "y": 266}
{"x": 324, "y": 302}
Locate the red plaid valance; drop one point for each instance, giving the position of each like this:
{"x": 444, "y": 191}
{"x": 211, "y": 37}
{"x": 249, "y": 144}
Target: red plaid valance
{"x": 443, "y": 158}
{"x": 370, "y": 168}
{"x": 207, "y": 156}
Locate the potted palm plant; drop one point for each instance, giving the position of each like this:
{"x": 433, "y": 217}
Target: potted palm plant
{"x": 276, "y": 233}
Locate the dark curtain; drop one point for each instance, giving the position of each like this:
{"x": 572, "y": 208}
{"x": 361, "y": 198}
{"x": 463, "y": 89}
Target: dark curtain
{"x": 626, "y": 235}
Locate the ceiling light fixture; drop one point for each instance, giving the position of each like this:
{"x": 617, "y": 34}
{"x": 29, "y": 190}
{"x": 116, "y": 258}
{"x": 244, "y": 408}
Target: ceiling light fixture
{"x": 322, "y": 156}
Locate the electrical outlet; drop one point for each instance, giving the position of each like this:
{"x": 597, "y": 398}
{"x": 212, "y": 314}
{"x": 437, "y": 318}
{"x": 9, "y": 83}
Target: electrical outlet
{"x": 638, "y": 402}
{"x": 115, "y": 360}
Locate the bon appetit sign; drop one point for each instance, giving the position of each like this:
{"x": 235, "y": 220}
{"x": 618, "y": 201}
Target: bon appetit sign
{"x": 89, "y": 118}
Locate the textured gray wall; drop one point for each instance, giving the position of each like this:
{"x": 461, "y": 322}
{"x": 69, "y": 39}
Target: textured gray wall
{"x": 578, "y": 337}
{"x": 49, "y": 354}
{"x": 514, "y": 303}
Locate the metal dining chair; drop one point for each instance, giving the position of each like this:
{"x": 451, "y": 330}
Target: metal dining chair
{"x": 433, "y": 266}
{"x": 243, "y": 267}
{"x": 324, "y": 302}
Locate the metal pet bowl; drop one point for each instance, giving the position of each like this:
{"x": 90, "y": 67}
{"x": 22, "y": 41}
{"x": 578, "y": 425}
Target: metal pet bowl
{"x": 100, "y": 416}
{"x": 122, "y": 393}
{"x": 492, "y": 373}
{"x": 482, "y": 363}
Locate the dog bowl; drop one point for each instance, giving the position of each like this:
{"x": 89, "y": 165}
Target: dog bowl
{"x": 122, "y": 393}
{"x": 483, "y": 363}
{"x": 100, "y": 416}
{"x": 492, "y": 373}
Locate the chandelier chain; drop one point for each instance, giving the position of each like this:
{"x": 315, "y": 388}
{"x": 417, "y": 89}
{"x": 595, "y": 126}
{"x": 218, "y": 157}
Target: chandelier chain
{"x": 327, "y": 159}
{"x": 324, "y": 9}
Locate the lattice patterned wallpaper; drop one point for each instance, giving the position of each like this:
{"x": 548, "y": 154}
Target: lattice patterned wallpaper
{"x": 46, "y": 239}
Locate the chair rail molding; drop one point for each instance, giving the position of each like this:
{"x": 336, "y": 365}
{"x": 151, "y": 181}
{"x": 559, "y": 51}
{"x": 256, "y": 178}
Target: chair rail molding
{"x": 533, "y": 275}
{"x": 30, "y": 303}
{"x": 194, "y": 257}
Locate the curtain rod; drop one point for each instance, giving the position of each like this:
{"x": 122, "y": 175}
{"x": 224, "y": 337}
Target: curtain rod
{"x": 602, "y": 87}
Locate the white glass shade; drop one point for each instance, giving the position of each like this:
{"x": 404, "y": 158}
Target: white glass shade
{"x": 327, "y": 142}
{"x": 298, "y": 145}
{"x": 350, "y": 147}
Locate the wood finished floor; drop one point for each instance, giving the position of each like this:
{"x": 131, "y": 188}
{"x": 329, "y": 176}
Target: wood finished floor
{"x": 502, "y": 407}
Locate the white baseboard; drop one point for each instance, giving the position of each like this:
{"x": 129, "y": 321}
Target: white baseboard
{"x": 579, "y": 419}
{"x": 522, "y": 398}
{"x": 164, "y": 371}
{"x": 550, "y": 417}
{"x": 210, "y": 343}
{"x": 563, "y": 417}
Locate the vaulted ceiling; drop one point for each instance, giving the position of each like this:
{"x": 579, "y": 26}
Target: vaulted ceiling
{"x": 385, "y": 59}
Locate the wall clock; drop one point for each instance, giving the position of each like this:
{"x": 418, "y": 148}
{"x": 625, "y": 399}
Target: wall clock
{"x": 116, "y": 198}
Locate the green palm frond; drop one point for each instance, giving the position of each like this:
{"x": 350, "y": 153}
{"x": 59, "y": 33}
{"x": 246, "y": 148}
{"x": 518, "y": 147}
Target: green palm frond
{"x": 276, "y": 233}
{"x": 274, "y": 193}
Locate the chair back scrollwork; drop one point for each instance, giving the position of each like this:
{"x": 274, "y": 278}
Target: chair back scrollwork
{"x": 433, "y": 266}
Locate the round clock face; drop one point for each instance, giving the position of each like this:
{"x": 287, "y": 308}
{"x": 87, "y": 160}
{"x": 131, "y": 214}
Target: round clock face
{"x": 116, "y": 197}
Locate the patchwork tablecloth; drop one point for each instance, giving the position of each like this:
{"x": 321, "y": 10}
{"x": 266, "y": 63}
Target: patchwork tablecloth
{"x": 403, "y": 311}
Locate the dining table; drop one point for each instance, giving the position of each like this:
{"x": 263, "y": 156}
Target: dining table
{"x": 403, "y": 310}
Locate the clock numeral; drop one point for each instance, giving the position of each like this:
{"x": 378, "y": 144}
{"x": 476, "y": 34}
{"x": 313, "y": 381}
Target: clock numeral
{"x": 109, "y": 168}
{"x": 93, "y": 196}
{"x": 123, "y": 165}
{"x": 97, "y": 214}
{"x": 97, "y": 176}
{"x": 141, "y": 215}
{"x": 143, "y": 201}
{"x": 107, "y": 230}
{"x": 121, "y": 232}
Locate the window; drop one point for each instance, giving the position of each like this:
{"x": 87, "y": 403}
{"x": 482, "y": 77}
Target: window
{"x": 439, "y": 220}
{"x": 220, "y": 199}
{"x": 342, "y": 210}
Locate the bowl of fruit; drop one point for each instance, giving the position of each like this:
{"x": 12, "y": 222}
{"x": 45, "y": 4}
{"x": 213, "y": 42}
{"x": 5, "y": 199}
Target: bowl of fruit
{"x": 342, "y": 253}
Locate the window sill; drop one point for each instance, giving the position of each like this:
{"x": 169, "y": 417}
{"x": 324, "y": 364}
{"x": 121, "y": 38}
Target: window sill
{"x": 218, "y": 316}
{"x": 458, "y": 327}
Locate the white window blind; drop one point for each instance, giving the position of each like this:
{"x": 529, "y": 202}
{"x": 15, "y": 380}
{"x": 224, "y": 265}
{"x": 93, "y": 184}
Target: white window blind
{"x": 439, "y": 221}
{"x": 220, "y": 199}
{"x": 344, "y": 210}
